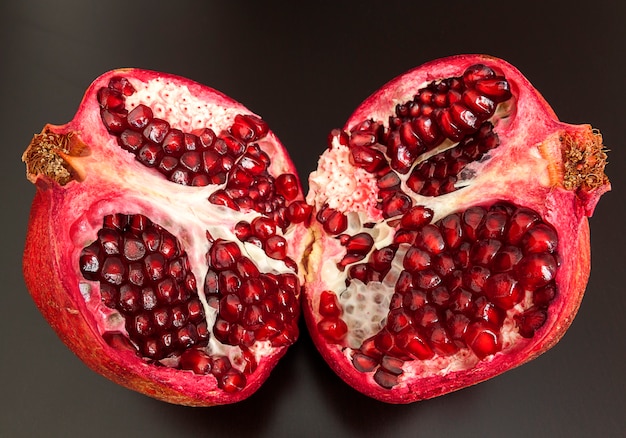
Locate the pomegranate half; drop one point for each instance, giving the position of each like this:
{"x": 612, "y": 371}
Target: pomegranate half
{"x": 451, "y": 234}
{"x": 163, "y": 238}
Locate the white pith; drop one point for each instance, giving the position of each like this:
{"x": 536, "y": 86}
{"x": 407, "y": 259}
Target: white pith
{"x": 365, "y": 307}
{"x": 176, "y": 104}
{"x": 183, "y": 211}
{"x": 348, "y": 188}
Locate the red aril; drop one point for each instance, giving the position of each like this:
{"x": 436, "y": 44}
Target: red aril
{"x": 134, "y": 251}
{"x": 451, "y": 234}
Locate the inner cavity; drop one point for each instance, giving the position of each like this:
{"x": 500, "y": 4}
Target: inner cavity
{"x": 174, "y": 132}
{"x": 429, "y": 140}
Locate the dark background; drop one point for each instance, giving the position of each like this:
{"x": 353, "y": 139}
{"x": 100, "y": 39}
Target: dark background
{"x": 304, "y": 66}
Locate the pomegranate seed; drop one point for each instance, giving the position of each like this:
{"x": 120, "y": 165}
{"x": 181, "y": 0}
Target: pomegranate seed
{"x": 530, "y": 321}
{"x": 414, "y": 344}
{"x": 389, "y": 180}
{"x": 410, "y": 139}
{"x": 483, "y": 251}
{"x": 232, "y": 381}
{"x": 260, "y": 126}
{"x": 416, "y": 217}
{"x": 298, "y": 211}
{"x": 122, "y": 84}
{"x": 287, "y": 185}
{"x": 110, "y": 99}
{"x": 276, "y": 247}
{"x": 443, "y": 264}
{"x": 113, "y": 271}
{"x": 381, "y": 259}
{"x": 173, "y": 142}
{"x": 430, "y": 239}
{"x": 448, "y": 126}
{"x": 427, "y": 131}
{"x": 397, "y": 204}
{"x": 360, "y": 243}
{"x": 252, "y": 165}
{"x": 243, "y": 230}
{"x": 451, "y": 230}
{"x": 131, "y": 140}
{"x": 197, "y": 361}
{"x": 156, "y": 130}
{"x": 477, "y": 72}
{"x": 242, "y": 129}
{"x": 385, "y": 379}
{"x": 397, "y": 320}
{"x": 367, "y": 158}
{"x": 416, "y": 259}
{"x": 506, "y": 259}
{"x": 402, "y": 156}
{"x": 456, "y": 324}
{"x": 333, "y": 329}
{"x": 482, "y": 339}
{"x": 543, "y": 295}
{"x": 392, "y": 365}
{"x": 536, "y": 270}
{"x": 361, "y": 139}
{"x": 263, "y": 227}
{"x": 233, "y": 146}
{"x": 472, "y": 219}
{"x": 115, "y": 122}
{"x": 223, "y": 254}
{"x": 133, "y": 249}
{"x": 230, "y": 307}
{"x": 206, "y": 137}
{"x": 246, "y": 268}
{"x": 503, "y": 290}
{"x": 329, "y": 305}
{"x": 492, "y": 227}
{"x": 495, "y": 88}
{"x": 463, "y": 117}
{"x": 487, "y": 311}
{"x": 336, "y": 223}
{"x": 480, "y": 104}
{"x": 540, "y": 237}
{"x": 364, "y": 363}
{"x": 221, "y": 365}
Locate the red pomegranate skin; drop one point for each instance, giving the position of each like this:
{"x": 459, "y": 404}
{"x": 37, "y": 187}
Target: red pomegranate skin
{"x": 534, "y": 166}
{"x": 87, "y": 176}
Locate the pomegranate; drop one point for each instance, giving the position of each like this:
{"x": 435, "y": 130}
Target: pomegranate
{"x": 163, "y": 243}
{"x": 451, "y": 234}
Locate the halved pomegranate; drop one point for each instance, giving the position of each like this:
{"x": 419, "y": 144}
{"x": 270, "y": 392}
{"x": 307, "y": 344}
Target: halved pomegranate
{"x": 164, "y": 238}
{"x": 451, "y": 234}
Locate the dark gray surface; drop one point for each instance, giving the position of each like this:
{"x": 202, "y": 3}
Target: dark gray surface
{"x": 304, "y": 68}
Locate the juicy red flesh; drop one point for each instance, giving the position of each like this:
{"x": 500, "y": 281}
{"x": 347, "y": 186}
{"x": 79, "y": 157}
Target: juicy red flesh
{"x": 460, "y": 276}
{"x": 331, "y": 325}
{"x": 454, "y": 110}
{"x": 262, "y": 233}
{"x": 252, "y": 306}
{"x": 145, "y": 275}
{"x": 202, "y": 157}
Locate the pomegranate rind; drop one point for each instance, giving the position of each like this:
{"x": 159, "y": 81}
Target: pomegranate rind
{"x": 69, "y": 211}
{"x": 533, "y": 138}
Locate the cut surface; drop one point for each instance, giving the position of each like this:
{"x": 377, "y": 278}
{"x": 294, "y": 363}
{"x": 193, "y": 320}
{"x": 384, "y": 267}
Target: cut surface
{"x": 142, "y": 193}
{"x": 460, "y": 247}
